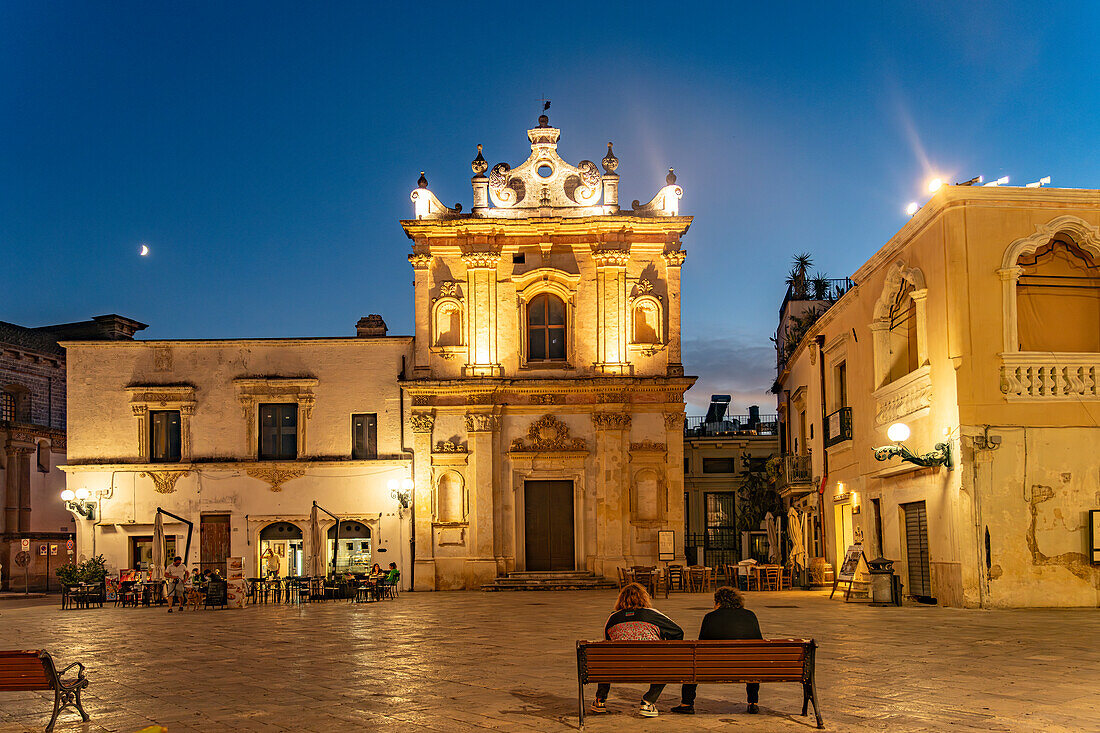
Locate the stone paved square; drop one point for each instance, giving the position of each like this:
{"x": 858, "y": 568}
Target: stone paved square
{"x": 506, "y": 661}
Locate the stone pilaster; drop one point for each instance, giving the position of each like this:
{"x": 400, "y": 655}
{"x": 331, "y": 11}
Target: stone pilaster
{"x": 674, "y": 438}
{"x": 481, "y": 314}
{"x": 611, "y": 320}
{"x": 673, "y": 262}
{"x": 423, "y": 423}
{"x": 611, "y": 489}
{"x": 481, "y": 564}
{"x": 422, "y": 306}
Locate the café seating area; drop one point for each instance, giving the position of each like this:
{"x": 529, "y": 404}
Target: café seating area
{"x": 700, "y": 578}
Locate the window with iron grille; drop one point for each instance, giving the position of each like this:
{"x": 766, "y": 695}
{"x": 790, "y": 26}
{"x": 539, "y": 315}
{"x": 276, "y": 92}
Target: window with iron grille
{"x": 7, "y": 406}
{"x": 721, "y": 519}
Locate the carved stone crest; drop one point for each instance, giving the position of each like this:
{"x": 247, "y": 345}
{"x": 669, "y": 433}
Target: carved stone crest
{"x": 164, "y": 482}
{"x": 611, "y": 420}
{"x": 422, "y": 422}
{"x": 546, "y": 399}
{"x": 548, "y": 433}
{"x": 449, "y": 446}
{"x": 275, "y": 476}
{"x": 481, "y": 422}
{"x": 448, "y": 289}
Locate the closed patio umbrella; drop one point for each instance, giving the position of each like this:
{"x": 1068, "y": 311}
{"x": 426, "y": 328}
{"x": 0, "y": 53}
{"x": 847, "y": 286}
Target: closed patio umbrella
{"x": 158, "y": 547}
{"x": 773, "y": 538}
{"x": 314, "y": 565}
{"x": 798, "y": 540}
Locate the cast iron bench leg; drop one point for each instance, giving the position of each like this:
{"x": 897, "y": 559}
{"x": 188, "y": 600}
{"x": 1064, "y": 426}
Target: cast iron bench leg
{"x": 806, "y": 697}
{"x": 56, "y": 709}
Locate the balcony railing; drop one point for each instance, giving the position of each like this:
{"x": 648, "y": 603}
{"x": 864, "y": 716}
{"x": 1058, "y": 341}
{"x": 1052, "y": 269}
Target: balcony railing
{"x": 1043, "y": 376}
{"x": 828, "y": 290}
{"x": 838, "y": 427}
{"x": 796, "y": 470}
{"x": 695, "y": 427}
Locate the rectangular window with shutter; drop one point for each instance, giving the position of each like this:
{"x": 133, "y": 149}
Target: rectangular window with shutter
{"x": 278, "y": 432}
{"x": 364, "y": 436}
{"x": 164, "y": 436}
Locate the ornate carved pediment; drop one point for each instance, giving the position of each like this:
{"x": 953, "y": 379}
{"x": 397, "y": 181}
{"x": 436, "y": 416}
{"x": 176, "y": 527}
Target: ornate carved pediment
{"x": 611, "y": 420}
{"x": 161, "y": 395}
{"x": 164, "y": 482}
{"x": 275, "y": 476}
{"x": 544, "y": 179}
{"x": 548, "y": 433}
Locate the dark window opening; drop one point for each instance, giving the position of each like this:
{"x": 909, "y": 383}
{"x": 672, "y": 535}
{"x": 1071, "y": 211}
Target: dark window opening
{"x": 718, "y": 465}
{"x": 164, "y": 436}
{"x": 43, "y": 458}
{"x": 364, "y": 436}
{"x": 278, "y": 432}
{"x": 519, "y": 259}
{"x": 546, "y": 328}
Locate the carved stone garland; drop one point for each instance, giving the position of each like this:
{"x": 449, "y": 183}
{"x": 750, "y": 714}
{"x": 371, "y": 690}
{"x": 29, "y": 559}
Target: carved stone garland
{"x": 611, "y": 420}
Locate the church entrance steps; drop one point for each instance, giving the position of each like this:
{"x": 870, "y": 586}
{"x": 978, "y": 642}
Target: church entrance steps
{"x": 550, "y": 580}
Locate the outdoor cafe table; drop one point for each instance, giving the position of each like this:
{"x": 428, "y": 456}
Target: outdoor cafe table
{"x": 152, "y": 592}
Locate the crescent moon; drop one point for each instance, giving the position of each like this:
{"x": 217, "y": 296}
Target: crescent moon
{"x": 144, "y": 250}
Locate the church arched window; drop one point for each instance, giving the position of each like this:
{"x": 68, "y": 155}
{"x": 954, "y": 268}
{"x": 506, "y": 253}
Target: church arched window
{"x": 1058, "y": 299}
{"x": 902, "y": 353}
{"x": 546, "y": 328}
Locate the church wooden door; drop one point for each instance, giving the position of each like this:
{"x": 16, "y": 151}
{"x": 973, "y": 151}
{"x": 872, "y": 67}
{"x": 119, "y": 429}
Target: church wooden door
{"x": 548, "y": 525}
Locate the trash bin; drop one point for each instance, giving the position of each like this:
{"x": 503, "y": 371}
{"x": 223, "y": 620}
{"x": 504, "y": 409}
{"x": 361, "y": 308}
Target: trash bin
{"x": 885, "y": 589}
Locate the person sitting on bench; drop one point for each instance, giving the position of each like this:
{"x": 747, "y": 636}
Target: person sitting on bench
{"x": 635, "y": 619}
{"x": 729, "y": 620}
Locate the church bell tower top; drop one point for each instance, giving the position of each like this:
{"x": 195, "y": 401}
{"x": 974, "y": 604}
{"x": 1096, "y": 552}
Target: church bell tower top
{"x": 545, "y": 185}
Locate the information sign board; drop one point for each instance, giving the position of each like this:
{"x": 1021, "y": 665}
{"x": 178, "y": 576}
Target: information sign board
{"x": 666, "y": 544}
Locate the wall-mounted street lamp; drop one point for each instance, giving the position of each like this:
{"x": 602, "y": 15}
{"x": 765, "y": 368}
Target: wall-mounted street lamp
{"x": 899, "y": 433}
{"x": 79, "y": 501}
{"x": 401, "y": 490}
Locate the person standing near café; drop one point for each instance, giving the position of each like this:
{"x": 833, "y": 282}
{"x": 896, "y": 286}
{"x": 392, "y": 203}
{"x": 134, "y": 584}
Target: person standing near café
{"x": 729, "y": 620}
{"x": 176, "y": 576}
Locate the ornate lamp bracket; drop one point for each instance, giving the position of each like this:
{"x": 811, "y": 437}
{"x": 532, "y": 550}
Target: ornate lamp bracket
{"x": 941, "y": 456}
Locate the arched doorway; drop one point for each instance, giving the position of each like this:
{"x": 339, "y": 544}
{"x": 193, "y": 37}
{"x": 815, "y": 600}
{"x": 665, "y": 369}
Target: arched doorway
{"x": 355, "y": 546}
{"x": 282, "y": 542}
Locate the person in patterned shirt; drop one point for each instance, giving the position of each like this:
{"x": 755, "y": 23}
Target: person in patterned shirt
{"x": 635, "y": 619}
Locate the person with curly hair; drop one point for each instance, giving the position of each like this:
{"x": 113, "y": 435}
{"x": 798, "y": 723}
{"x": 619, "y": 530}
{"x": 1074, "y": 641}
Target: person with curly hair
{"x": 635, "y": 619}
{"x": 729, "y": 620}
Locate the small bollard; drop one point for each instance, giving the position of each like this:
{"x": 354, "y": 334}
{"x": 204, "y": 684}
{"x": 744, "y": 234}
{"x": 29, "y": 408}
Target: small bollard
{"x": 882, "y": 582}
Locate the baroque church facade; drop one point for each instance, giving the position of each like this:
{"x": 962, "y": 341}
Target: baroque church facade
{"x": 547, "y": 387}
{"x": 534, "y": 422}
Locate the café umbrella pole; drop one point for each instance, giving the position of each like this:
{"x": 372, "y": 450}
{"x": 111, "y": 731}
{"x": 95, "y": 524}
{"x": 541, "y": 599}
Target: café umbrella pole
{"x": 190, "y": 528}
{"x": 336, "y": 544}
{"x": 158, "y": 548}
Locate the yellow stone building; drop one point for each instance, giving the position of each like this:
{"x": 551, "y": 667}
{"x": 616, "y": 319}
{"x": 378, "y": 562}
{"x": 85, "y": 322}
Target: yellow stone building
{"x": 547, "y": 385}
{"x": 977, "y": 325}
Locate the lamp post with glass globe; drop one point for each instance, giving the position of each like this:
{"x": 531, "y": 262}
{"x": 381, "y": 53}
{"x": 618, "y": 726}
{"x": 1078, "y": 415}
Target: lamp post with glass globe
{"x": 79, "y": 502}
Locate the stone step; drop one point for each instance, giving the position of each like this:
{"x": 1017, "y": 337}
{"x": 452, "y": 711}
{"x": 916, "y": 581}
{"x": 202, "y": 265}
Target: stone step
{"x": 550, "y": 580}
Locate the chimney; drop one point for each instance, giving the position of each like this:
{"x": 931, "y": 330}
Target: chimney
{"x": 369, "y": 326}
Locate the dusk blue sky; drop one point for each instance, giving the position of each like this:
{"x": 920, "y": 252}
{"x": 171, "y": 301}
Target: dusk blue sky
{"x": 265, "y": 152}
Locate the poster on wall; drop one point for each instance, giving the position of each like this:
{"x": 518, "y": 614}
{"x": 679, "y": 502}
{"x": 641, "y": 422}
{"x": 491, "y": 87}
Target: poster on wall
{"x": 666, "y": 544}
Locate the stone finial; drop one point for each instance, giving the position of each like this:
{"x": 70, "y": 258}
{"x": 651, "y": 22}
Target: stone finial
{"x": 670, "y": 179}
{"x": 479, "y": 164}
{"x": 610, "y": 162}
{"x": 422, "y": 182}
{"x": 544, "y": 121}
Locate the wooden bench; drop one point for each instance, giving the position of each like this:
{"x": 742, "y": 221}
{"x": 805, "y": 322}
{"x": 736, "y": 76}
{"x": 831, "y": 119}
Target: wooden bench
{"x": 23, "y": 671}
{"x": 699, "y": 662}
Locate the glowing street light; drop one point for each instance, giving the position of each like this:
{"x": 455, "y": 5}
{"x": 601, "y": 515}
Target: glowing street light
{"x": 935, "y": 184}
{"x": 912, "y": 208}
{"x": 898, "y": 432}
